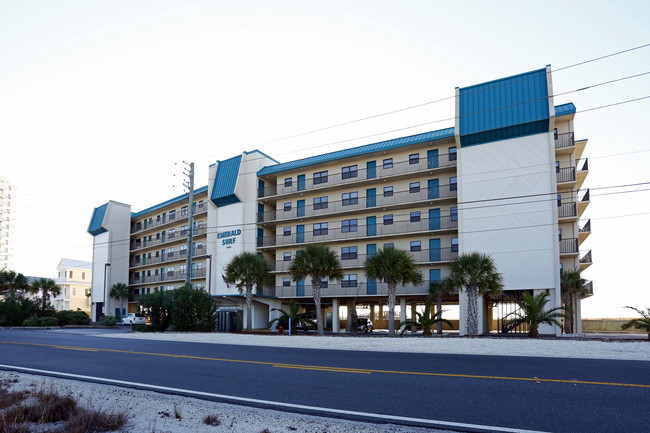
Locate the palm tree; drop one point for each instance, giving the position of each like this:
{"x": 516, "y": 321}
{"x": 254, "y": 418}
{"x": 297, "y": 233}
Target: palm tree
{"x": 425, "y": 319}
{"x": 438, "y": 289}
{"x": 12, "y": 283}
{"x": 394, "y": 266}
{"x": 533, "y": 313}
{"x": 247, "y": 270}
{"x": 316, "y": 261}
{"x": 294, "y": 316}
{"x": 571, "y": 284}
{"x": 477, "y": 274}
{"x": 119, "y": 291}
{"x": 642, "y": 323}
{"x": 47, "y": 287}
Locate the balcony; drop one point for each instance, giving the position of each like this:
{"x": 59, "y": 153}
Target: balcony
{"x": 360, "y": 289}
{"x": 169, "y": 257}
{"x": 589, "y": 289}
{"x": 170, "y": 237}
{"x": 583, "y": 203}
{"x": 564, "y": 141}
{"x": 398, "y": 199}
{"x": 165, "y": 277}
{"x": 158, "y": 222}
{"x": 583, "y": 171}
{"x": 438, "y": 255}
{"x": 398, "y": 228}
{"x": 362, "y": 175}
{"x": 567, "y": 210}
{"x": 566, "y": 175}
{"x": 569, "y": 246}
{"x": 585, "y": 261}
{"x": 584, "y": 231}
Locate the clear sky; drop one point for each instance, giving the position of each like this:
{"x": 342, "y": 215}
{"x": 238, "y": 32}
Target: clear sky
{"x": 100, "y": 100}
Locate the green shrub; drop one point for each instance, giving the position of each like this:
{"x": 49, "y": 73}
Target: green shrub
{"x": 108, "y": 320}
{"x": 49, "y": 321}
{"x": 70, "y": 317}
{"x": 31, "y": 321}
{"x": 157, "y": 306}
{"x": 144, "y": 328}
{"x": 15, "y": 310}
{"x": 193, "y": 313}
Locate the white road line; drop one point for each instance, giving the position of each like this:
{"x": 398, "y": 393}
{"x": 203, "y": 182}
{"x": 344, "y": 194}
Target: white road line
{"x": 281, "y": 406}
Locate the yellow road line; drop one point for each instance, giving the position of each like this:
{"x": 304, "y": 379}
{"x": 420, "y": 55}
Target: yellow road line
{"x": 336, "y": 369}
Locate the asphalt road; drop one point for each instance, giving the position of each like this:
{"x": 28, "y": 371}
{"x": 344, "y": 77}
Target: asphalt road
{"x": 543, "y": 394}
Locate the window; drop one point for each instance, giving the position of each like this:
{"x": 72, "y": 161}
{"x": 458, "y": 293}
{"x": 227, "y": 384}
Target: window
{"x": 557, "y": 166}
{"x": 388, "y": 191}
{"x": 83, "y": 275}
{"x": 454, "y": 245}
{"x": 348, "y": 226}
{"x": 454, "y": 213}
{"x": 349, "y": 172}
{"x": 559, "y": 200}
{"x": 286, "y": 257}
{"x": 388, "y": 163}
{"x": 350, "y": 198}
{"x": 182, "y": 269}
{"x": 414, "y": 187}
{"x": 555, "y": 133}
{"x": 452, "y": 153}
{"x": 389, "y": 246}
{"x": 170, "y": 271}
{"x": 183, "y": 249}
{"x": 320, "y": 203}
{"x": 559, "y": 233}
{"x": 320, "y": 177}
{"x": 70, "y": 274}
{"x": 288, "y": 182}
{"x": 286, "y": 282}
{"x": 416, "y": 246}
{"x": 74, "y": 291}
{"x": 453, "y": 183}
{"x": 415, "y": 216}
{"x": 388, "y": 219}
{"x": 183, "y": 230}
{"x": 561, "y": 266}
{"x": 320, "y": 229}
{"x": 348, "y": 253}
{"x": 184, "y": 211}
{"x": 287, "y": 207}
{"x": 349, "y": 280}
{"x": 199, "y": 245}
{"x": 324, "y": 283}
{"x": 200, "y": 224}
{"x": 170, "y": 252}
{"x": 414, "y": 158}
{"x": 287, "y": 231}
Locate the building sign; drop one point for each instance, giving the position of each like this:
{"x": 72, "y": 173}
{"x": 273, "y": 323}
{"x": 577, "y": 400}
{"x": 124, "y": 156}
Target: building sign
{"x": 229, "y": 237}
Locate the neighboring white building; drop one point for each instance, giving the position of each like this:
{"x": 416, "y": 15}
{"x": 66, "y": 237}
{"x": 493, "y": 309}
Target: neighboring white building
{"x": 74, "y": 278}
{"x": 7, "y": 215}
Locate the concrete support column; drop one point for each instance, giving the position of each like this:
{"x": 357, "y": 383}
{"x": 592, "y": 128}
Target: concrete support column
{"x": 462, "y": 304}
{"x": 349, "y": 318}
{"x": 414, "y": 309}
{"x": 402, "y": 310}
{"x": 577, "y": 306}
{"x": 381, "y": 317}
{"x": 335, "y": 315}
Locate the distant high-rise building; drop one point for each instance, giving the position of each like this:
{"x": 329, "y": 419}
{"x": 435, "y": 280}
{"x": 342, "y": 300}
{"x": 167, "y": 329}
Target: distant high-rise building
{"x": 7, "y": 206}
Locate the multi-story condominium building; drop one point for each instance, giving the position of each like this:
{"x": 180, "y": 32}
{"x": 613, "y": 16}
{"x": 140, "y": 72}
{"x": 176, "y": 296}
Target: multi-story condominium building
{"x": 73, "y": 278}
{"x": 7, "y": 207}
{"x": 506, "y": 181}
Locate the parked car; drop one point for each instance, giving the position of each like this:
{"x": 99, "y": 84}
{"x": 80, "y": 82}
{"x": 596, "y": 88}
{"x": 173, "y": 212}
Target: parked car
{"x": 134, "y": 319}
{"x": 365, "y": 324}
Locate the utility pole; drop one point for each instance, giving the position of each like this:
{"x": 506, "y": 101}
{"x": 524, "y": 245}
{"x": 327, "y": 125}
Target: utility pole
{"x": 190, "y": 222}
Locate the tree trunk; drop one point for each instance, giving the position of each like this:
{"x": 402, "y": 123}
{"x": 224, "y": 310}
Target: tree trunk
{"x": 568, "y": 321}
{"x": 249, "y": 308}
{"x": 472, "y": 310}
{"x": 392, "y": 288}
{"x": 319, "y": 319}
{"x": 534, "y": 332}
{"x": 121, "y": 307}
{"x": 439, "y": 313}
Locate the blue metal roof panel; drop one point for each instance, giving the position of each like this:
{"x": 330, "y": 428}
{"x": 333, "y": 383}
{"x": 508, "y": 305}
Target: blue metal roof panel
{"x": 503, "y": 103}
{"x": 95, "y": 228}
{"x": 168, "y": 202}
{"x": 223, "y": 191}
{"x": 564, "y": 109}
{"x": 356, "y": 151}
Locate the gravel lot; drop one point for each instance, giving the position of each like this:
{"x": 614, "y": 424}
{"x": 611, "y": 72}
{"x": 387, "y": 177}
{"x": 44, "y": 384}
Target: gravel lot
{"x": 153, "y": 412}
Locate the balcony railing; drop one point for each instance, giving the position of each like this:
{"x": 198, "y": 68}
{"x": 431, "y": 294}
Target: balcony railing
{"x": 361, "y": 174}
{"x": 589, "y": 289}
{"x": 169, "y": 257}
{"x": 569, "y": 246}
{"x": 362, "y": 231}
{"x": 360, "y": 289}
{"x": 586, "y": 259}
{"x": 566, "y": 174}
{"x": 146, "y": 225}
{"x": 586, "y": 228}
{"x": 585, "y": 197}
{"x": 361, "y": 203}
{"x": 167, "y": 276}
{"x": 437, "y": 255}
{"x": 169, "y": 237}
{"x": 568, "y": 210}
{"x": 564, "y": 140}
{"x": 584, "y": 166}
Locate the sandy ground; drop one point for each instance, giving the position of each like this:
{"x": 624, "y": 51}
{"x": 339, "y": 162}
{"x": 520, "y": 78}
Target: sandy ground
{"x": 155, "y": 413}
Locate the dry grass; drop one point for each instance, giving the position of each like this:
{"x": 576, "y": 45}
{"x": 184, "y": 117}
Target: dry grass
{"x": 45, "y": 409}
{"x": 212, "y": 420}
